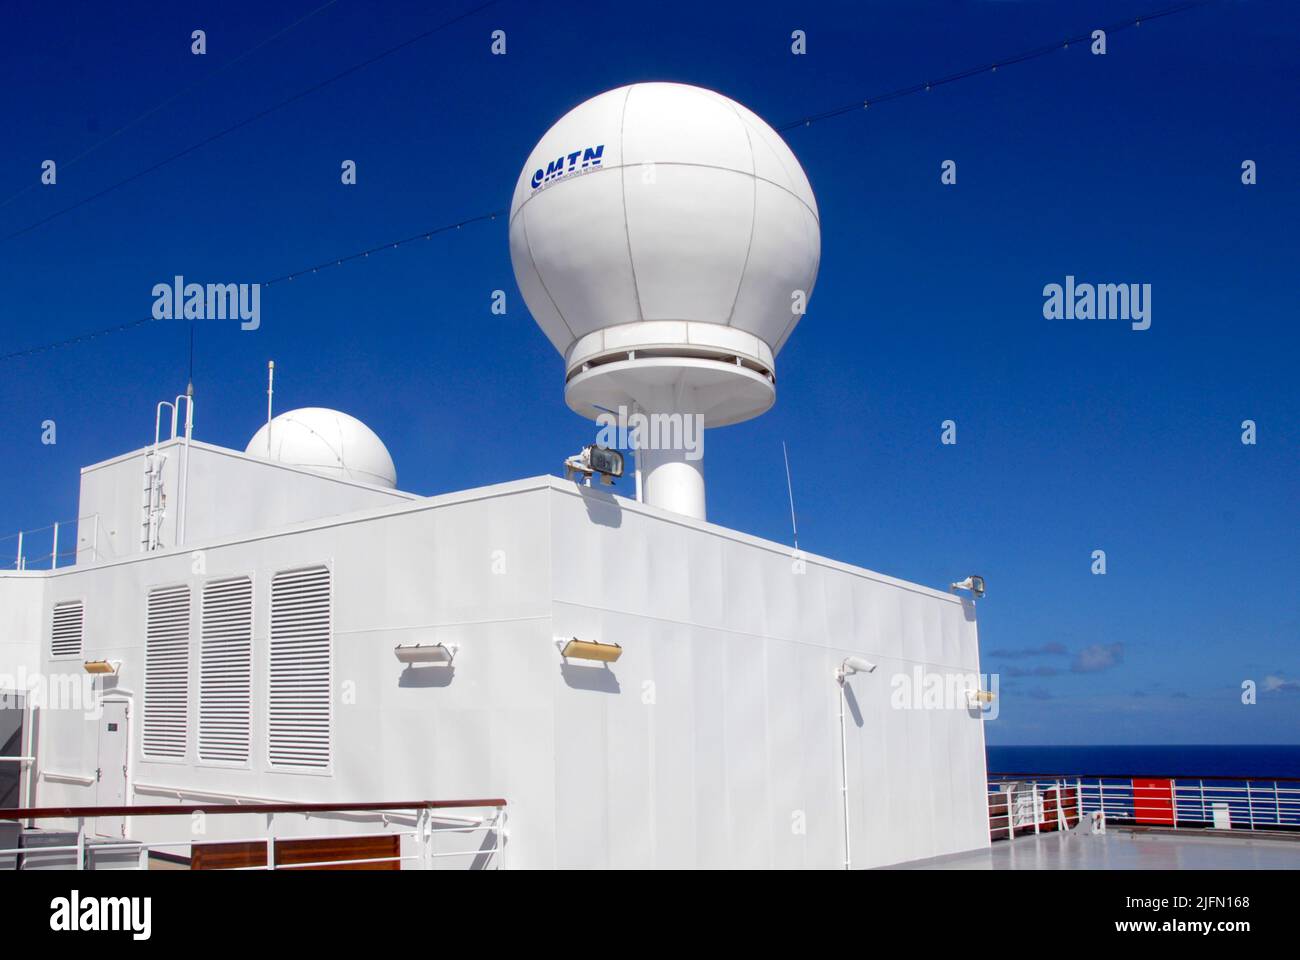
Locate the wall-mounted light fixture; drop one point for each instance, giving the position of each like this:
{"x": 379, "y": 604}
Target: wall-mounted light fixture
{"x": 100, "y": 667}
{"x": 576, "y": 649}
{"x": 593, "y": 459}
{"x": 436, "y": 653}
{"x": 972, "y": 583}
{"x": 978, "y": 698}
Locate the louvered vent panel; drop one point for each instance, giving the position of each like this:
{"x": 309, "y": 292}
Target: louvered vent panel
{"x": 298, "y": 708}
{"x": 226, "y": 670}
{"x": 65, "y": 636}
{"x": 167, "y": 672}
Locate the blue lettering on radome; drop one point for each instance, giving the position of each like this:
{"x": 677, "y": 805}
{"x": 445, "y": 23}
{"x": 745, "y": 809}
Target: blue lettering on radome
{"x": 565, "y": 165}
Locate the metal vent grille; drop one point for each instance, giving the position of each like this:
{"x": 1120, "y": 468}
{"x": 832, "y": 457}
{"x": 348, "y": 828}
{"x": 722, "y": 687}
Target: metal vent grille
{"x": 65, "y": 636}
{"x": 298, "y": 708}
{"x": 167, "y": 672}
{"x": 226, "y": 670}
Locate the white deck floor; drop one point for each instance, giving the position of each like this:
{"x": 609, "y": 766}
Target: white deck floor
{"x": 1121, "y": 849}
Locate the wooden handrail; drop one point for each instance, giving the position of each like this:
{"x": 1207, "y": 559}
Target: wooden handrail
{"x": 36, "y": 813}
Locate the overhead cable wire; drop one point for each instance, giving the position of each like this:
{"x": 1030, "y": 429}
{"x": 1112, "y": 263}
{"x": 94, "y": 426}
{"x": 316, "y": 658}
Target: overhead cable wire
{"x": 391, "y": 245}
{"x": 323, "y": 265}
{"x": 989, "y": 67}
{"x": 64, "y": 164}
{"x": 303, "y": 94}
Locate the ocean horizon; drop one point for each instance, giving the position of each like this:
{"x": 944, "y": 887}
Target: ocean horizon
{"x": 1262, "y": 761}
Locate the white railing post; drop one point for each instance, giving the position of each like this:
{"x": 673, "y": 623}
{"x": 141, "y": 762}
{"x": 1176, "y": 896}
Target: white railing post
{"x": 28, "y": 769}
{"x": 1060, "y": 814}
{"x": 426, "y": 837}
{"x": 1011, "y": 811}
{"x": 54, "y": 555}
{"x": 81, "y": 844}
{"x": 1250, "y": 806}
{"x": 1203, "y": 817}
{"x": 18, "y": 564}
{"x": 1277, "y": 805}
{"x": 1033, "y": 800}
{"x": 1173, "y": 796}
{"x": 501, "y": 838}
{"x": 270, "y": 841}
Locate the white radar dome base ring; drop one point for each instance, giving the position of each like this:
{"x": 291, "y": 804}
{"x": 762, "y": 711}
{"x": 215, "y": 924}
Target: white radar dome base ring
{"x": 721, "y": 392}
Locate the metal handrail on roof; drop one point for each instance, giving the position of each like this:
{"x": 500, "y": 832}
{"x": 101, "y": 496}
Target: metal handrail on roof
{"x": 391, "y": 845}
{"x": 1141, "y": 776}
{"x": 209, "y": 809}
{"x": 1035, "y": 802}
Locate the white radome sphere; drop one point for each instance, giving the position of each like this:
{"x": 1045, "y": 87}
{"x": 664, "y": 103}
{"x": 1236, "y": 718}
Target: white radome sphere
{"x": 663, "y": 204}
{"x": 327, "y": 442}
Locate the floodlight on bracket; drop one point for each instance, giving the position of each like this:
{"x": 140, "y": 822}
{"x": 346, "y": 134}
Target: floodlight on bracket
{"x": 972, "y": 583}
{"x": 593, "y": 459}
{"x": 575, "y": 649}
{"x": 440, "y": 654}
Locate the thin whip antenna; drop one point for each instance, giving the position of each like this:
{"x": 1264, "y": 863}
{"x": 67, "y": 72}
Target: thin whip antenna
{"x": 270, "y": 389}
{"x": 790, "y": 489}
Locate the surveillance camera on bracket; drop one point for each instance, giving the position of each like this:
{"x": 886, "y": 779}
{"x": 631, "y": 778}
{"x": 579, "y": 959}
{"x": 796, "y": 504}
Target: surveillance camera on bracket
{"x": 852, "y": 665}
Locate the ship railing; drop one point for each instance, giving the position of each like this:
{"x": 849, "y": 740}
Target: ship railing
{"x": 40, "y": 548}
{"x": 1021, "y": 803}
{"x": 405, "y": 835}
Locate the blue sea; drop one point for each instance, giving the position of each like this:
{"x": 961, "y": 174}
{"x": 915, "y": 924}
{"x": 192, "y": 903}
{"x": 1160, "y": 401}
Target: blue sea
{"x": 1175, "y": 761}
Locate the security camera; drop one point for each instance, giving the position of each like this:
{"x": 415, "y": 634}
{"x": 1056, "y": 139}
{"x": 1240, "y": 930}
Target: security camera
{"x": 853, "y": 665}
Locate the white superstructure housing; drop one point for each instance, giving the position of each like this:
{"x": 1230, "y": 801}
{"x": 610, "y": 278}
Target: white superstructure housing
{"x": 257, "y": 662}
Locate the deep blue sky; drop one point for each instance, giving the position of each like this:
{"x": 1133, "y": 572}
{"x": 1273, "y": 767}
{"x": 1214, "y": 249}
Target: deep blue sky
{"x": 1072, "y": 436}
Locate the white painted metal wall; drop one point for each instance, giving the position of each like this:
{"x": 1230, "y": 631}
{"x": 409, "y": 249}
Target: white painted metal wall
{"x": 724, "y": 738}
{"x": 23, "y": 622}
{"x": 229, "y": 493}
{"x": 712, "y": 742}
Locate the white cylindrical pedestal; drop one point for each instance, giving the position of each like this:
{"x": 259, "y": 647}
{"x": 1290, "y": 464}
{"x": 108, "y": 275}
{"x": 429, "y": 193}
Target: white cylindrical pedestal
{"x": 671, "y": 481}
{"x": 667, "y": 403}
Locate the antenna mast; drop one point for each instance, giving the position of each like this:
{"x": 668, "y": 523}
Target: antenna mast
{"x": 270, "y": 390}
{"x": 790, "y": 489}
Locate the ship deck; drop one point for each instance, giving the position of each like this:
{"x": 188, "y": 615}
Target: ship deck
{"x": 1126, "y": 849}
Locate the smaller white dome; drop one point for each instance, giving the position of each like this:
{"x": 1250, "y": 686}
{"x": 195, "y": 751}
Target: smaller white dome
{"x": 327, "y": 442}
